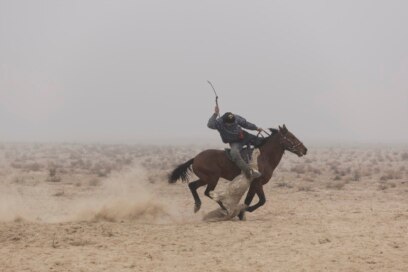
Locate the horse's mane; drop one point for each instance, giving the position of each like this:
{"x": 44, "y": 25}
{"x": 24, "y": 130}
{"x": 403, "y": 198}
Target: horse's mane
{"x": 263, "y": 141}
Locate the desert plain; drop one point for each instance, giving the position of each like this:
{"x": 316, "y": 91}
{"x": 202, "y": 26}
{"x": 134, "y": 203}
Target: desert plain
{"x": 105, "y": 207}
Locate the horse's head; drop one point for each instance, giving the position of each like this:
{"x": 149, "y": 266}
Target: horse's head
{"x": 290, "y": 142}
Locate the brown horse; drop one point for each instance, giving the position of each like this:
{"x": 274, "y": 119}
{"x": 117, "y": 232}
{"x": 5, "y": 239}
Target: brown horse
{"x": 211, "y": 164}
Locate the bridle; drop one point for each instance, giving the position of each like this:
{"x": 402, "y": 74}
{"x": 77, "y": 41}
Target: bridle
{"x": 292, "y": 147}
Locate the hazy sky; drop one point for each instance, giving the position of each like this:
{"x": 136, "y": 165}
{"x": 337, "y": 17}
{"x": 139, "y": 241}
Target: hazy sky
{"x": 130, "y": 70}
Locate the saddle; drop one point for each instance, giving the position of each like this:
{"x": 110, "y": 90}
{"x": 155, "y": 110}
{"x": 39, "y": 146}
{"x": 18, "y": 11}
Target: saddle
{"x": 249, "y": 143}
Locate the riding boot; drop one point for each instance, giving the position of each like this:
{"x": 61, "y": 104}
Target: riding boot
{"x": 237, "y": 159}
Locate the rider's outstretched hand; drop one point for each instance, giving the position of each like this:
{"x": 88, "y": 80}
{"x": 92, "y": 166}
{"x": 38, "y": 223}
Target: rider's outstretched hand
{"x": 216, "y": 110}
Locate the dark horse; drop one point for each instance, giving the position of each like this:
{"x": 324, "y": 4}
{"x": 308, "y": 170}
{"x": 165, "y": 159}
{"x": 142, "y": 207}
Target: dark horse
{"x": 212, "y": 164}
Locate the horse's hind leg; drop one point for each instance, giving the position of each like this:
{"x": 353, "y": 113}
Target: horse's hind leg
{"x": 193, "y": 188}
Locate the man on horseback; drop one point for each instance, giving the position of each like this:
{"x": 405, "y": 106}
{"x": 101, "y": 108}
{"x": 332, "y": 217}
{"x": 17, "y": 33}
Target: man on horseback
{"x": 230, "y": 128}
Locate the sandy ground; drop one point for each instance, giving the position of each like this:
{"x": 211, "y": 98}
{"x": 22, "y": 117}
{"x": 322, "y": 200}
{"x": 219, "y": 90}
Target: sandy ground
{"x": 108, "y": 208}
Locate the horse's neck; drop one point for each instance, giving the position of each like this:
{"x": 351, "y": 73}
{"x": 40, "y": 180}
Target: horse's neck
{"x": 272, "y": 151}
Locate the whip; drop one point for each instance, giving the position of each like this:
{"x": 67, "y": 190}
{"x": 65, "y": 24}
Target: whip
{"x": 216, "y": 95}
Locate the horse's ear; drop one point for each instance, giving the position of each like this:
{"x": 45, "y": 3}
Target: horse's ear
{"x": 284, "y": 128}
{"x": 279, "y": 128}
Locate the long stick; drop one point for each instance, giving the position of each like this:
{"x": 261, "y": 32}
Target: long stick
{"x": 216, "y": 95}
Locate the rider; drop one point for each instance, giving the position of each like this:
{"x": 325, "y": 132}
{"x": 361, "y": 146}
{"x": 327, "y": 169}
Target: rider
{"x": 229, "y": 127}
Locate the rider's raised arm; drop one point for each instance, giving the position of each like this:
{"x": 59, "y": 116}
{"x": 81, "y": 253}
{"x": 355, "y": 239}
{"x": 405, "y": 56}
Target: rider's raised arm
{"x": 212, "y": 122}
{"x": 244, "y": 123}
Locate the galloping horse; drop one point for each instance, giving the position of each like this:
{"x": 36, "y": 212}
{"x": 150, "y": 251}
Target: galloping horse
{"x": 212, "y": 164}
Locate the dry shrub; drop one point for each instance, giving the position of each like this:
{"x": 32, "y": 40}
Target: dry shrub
{"x": 94, "y": 182}
{"x": 338, "y": 185}
{"x": 63, "y": 171}
{"x": 339, "y": 172}
{"x": 18, "y": 180}
{"x": 376, "y": 170}
{"x": 310, "y": 160}
{"x": 384, "y": 178}
{"x": 18, "y": 219}
{"x": 16, "y": 165}
{"x": 283, "y": 169}
{"x": 283, "y": 184}
{"x": 337, "y": 177}
{"x": 382, "y": 186}
{"x": 314, "y": 170}
{"x": 80, "y": 243}
{"x": 404, "y": 156}
{"x": 52, "y": 171}
{"x": 374, "y": 161}
{"x": 34, "y": 167}
{"x": 304, "y": 188}
{"x": 102, "y": 170}
{"x": 120, "y": 162}
{"x": 54, "y": 179}
{"x": 308, "y": 179}
{"x": 298, "y": 169}
{"x": 61, "y": 193}
{"x": 356, "y": 176}
{"x": 390, "y": 174}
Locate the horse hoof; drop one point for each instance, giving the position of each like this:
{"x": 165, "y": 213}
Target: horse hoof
{"x": 197, "y": 207}
{"x": 242, "y": 216}
{"x": 222, "y": 206}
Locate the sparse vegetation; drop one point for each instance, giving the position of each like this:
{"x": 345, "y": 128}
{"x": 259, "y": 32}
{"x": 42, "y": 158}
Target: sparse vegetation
{"x": 333, "y": 187}
{"x": 89, "y": 165}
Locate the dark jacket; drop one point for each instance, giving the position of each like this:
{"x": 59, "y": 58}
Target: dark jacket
{"x": 232, "y": 132}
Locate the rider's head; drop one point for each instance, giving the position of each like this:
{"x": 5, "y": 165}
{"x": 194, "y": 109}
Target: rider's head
{"x": 228, "y": 118}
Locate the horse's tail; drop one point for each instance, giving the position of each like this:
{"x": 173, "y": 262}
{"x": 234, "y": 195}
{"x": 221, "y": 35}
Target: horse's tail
{"x": 181, "y": 171}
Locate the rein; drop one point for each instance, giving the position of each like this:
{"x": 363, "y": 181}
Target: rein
{"x": 257, "y": 135}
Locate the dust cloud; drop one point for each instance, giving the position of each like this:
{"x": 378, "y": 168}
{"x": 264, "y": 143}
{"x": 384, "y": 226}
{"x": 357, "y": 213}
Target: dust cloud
{"x": 124, "y": 196}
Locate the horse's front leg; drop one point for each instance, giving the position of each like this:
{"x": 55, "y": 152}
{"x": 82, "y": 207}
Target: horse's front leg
{"x": 261, "y": 195}
{"x": 248, "y": 200}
